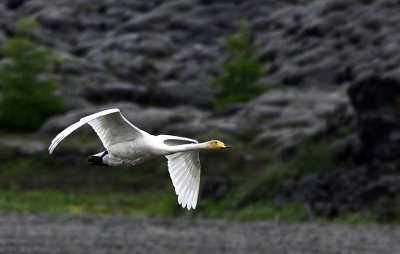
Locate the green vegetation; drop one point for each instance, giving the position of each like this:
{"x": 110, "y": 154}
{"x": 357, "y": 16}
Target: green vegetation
{"x": 27, "y": 81}
{"x": 142, "y": 204}
{"x": 159, "y": 204}
{"x": 35, "y": 184}
{"x": 39, "y": 184}
{"x": 309, "y": 158}
{"x": 138, "y": 204}
{"x": 241, "y": 71}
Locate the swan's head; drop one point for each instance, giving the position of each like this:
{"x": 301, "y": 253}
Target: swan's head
{"x": 216, "y": 145}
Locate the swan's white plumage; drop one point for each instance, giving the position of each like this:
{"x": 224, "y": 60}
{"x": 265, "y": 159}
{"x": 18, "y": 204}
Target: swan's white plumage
{"x": 184, "y": 169}
{"x": 114, "y": 130}
{"x": 110, "y": 126}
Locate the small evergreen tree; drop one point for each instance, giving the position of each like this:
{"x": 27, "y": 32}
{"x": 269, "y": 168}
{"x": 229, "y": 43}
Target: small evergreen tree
{"x": 27, "y": 81}
{"x": 241, "y": 71}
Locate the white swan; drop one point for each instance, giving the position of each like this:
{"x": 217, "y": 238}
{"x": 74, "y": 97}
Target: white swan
{"x": 127, "y": 145}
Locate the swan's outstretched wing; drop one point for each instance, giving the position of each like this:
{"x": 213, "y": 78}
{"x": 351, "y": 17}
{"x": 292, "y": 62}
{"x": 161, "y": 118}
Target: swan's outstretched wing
{"x": 175, "y": 140}
{"x": 110, "y": 126}
{"x": 184, "y": 169}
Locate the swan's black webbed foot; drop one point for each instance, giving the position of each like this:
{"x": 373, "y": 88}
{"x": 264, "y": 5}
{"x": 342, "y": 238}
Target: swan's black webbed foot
{"x": 104, "y": 154}
{"x": 97, "y": 160}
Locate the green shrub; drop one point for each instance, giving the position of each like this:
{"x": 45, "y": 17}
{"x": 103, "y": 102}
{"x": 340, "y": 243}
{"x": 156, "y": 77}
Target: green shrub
{"x": 241, "y": 71}
{"x": 27, "y": 82}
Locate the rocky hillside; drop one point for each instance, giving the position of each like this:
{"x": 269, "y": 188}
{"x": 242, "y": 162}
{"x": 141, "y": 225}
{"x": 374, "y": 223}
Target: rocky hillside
{"x": 154, "y": 59}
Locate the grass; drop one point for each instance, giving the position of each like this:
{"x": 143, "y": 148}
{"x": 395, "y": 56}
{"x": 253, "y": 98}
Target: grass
{"x": 162, "y": 205}
{"x": 357, "y": 218}
{"x": 143, "y": 204}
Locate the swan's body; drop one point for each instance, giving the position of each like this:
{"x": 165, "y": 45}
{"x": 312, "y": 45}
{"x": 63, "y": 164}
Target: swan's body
{"x": 127, "y": 145}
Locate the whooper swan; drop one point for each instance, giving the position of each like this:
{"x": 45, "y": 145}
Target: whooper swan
{"x": 127, "y": 145}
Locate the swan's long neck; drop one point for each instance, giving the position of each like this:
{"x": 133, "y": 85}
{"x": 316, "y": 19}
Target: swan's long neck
{"x": 188, "y": 147}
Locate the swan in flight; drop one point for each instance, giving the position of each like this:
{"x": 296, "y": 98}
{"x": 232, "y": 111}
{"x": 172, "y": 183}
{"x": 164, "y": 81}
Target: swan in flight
{"x": 127, "y": 145}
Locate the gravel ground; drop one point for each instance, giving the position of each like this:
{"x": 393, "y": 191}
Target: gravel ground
{"x": 46, "y": 233}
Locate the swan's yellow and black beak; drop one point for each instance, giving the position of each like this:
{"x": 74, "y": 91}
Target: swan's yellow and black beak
{"x": 223, "y": 146}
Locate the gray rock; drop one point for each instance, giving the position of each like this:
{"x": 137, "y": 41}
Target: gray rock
{"x": 282, "y": 139}
{"x": 152, "y": 120}
{"x": 194, "y": 129}
{"x": 282, "y": 118}
{"x": 3, "y": 38}
{"x": 20, "y": 146}
{"x": 144, "y": 22}
{"x": 146, "y": 43}
{"x": 376, "y": 101}
{"x": 302, "y": 44}
{"x": 14, "y": 4}
{"x": 56, "y": 124}
{"x": 341, "y": 191}
{"x": 156, "y": 120}
{"x": 58, "y": 19}
{"x": 118, "y": 92}
{"x": 189, "y": 93}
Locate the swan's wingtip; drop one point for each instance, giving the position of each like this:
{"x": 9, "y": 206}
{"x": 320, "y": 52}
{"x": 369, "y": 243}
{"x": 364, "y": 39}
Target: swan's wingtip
{"x": 187, "y": 206}
{"x": 112, "y": 110}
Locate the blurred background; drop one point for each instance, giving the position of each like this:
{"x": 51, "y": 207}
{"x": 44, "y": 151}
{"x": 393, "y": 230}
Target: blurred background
{"x": 306, "y": 91}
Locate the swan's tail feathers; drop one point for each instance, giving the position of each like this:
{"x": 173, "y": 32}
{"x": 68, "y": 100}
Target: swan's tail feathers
{"x": 97, "y": 159}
